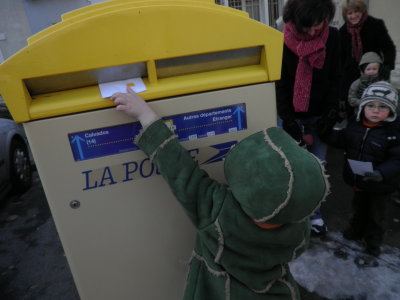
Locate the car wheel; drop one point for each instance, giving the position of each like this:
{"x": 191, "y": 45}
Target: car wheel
{"x": 20, "y": 167}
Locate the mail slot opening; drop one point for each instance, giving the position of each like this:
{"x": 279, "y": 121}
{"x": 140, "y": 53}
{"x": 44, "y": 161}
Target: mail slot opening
{"x": 62, "y": 82}
{"x": 164, "y": 68}
{"x": 208, "y": 62}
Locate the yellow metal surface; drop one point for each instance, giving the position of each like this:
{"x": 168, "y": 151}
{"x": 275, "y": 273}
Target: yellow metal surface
{"x": 121, "y": 32}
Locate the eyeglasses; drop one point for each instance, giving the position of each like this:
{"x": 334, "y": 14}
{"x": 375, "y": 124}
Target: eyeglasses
{"x": 381, "y": 108}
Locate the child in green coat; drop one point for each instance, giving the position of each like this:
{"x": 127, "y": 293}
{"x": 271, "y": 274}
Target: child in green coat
{"x": 248, "y": 230}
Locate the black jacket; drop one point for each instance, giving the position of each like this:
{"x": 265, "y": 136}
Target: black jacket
{"x": 379, "y": 145}
{"x": 375, "y": 37}
{"x": 325, "y": 86}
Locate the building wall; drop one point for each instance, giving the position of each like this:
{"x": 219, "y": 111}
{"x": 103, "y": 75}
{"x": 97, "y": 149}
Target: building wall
{"x": 21, "y": 18}
{"x": 14, "y": 27}
{"x": 44, "y": 13}
{"x": 389, "y": 11}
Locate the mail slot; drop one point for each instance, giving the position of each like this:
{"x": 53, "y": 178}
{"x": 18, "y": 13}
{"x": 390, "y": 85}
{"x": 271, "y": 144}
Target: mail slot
{"x": 209, "y": 72}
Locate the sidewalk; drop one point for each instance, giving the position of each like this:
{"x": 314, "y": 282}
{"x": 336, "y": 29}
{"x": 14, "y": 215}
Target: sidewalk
{"x": 33, "y": 265}
{"x": 334, "y": 268}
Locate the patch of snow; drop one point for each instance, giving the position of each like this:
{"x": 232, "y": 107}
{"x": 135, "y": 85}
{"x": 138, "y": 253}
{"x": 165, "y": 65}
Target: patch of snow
{"x": 336, "y": 268}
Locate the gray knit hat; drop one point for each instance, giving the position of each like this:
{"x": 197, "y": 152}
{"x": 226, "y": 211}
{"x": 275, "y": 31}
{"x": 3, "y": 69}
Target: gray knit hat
{"x": 370, "y": 57}
{"x": 383, "y": 92}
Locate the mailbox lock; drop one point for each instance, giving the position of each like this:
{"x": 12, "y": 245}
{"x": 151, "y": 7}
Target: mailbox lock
{"x": 75, "y": 204}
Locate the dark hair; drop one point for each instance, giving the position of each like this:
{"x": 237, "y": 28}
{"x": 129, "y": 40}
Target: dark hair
{"x": 356, "y": 5}
{"x": 307, "y": 13}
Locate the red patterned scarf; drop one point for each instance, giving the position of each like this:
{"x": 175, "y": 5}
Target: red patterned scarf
{"x": 356, "y": 43}
{"x": 311, "y": 51}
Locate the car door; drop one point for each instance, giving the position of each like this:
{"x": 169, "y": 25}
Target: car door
{"x": 3, "y": 167}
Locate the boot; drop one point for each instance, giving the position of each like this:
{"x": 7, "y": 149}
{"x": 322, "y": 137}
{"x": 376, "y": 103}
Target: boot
{"x": 352, "y": 235}
{"x": 373, "y": 250}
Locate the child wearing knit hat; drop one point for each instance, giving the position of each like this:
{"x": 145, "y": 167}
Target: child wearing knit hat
{"x": 373, "y": 135}
{"x": 370, "y": 67}
{"x": 248, "y": 229}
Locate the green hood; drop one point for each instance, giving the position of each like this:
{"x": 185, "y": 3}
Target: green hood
{"x": 275, "y": 180}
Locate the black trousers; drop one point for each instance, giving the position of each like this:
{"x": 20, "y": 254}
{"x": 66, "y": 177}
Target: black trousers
{"x": 368, "y": 216}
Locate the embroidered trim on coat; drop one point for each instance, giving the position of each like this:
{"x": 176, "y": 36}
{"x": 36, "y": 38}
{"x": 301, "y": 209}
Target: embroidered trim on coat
{"x": 220, "y": 241}
{"x": 327, "y": 189}
{"x": 162, "y": 145}
{"x": 290, "y": 183}
{"x": 216, "y": 273}
{"x": 291, "y": 289}
{"x": 266, "y": 289}
{"x": 141, "y": 131}
{"x": 302, "y": 244}
{"x": 283, "y": 271}
{"x": 271, "y": 283}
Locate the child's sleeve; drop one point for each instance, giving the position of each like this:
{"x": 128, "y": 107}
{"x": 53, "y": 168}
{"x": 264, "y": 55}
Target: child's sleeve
{"x": 200, "y": 196}
{"x": 391, "y": 167}
{"x": 353, "y": 98}
{"x": 337, "y": 138}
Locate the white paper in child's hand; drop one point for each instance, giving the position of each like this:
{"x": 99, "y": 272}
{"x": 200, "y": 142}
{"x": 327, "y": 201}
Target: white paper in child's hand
{"x": 360, "y": 167}
{"x": 109, "y": 88}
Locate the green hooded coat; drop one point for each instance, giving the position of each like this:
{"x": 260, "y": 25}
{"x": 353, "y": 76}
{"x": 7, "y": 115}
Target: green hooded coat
{"x": 271, "y": 179}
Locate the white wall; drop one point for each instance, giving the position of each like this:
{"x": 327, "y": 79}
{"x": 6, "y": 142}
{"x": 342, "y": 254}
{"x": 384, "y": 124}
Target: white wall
{"x": 338, "y": 20}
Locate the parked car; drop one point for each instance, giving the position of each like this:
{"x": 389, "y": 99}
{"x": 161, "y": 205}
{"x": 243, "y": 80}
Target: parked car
{"x": 15, "y": 158}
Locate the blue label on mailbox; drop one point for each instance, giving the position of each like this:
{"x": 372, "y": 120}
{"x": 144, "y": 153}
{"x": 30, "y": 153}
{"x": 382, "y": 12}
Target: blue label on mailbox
{"x": 188, "y": 126}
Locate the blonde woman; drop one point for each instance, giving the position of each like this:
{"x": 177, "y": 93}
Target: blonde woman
{"x": 359, "y": 34}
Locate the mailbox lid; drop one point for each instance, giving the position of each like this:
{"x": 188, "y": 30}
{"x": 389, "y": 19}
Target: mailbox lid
{"x": 117, "y": 34}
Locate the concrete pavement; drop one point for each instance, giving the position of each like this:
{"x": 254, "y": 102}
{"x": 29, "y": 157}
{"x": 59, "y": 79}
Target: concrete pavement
{"x": 32, "y": 261}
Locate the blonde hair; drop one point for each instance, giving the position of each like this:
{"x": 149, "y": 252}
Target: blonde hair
{"x": 356, "y": 5}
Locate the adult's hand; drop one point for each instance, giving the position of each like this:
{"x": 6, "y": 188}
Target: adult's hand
{"x": 325, "y": 124}
{"x": 293, "y": 129}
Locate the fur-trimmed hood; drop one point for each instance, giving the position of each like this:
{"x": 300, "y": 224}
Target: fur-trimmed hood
{"x": 274, "y": 180}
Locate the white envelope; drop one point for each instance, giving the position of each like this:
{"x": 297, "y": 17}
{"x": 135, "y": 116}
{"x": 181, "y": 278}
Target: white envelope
{"x": 360, "y": 167}
{"x": 109, "y": 88}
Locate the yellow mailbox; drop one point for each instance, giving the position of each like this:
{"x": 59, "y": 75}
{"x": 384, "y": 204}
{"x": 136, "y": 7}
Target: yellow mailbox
{"x": 209, "y": 71}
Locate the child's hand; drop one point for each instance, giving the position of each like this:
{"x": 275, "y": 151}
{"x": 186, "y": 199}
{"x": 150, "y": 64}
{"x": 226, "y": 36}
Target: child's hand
{"x": 134, "y": 106}
{"x": 373, "y": 176}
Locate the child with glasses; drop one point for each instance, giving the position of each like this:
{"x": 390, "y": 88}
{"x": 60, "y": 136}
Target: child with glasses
{"x": 372, "y": 136}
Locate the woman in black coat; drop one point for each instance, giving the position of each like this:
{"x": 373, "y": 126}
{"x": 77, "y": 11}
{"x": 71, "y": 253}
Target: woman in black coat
{"x": 307, "y": 95}
{"x": 362, "y": 33}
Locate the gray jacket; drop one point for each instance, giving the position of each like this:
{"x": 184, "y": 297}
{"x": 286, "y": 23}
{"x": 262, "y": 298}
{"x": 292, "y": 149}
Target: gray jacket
{"x": 358, "y": 86}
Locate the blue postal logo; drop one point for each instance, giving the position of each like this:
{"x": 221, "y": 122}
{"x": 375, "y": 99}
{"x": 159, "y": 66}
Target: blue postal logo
{"x": 102, "y": 142}
{"x": 136, "y": 170}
